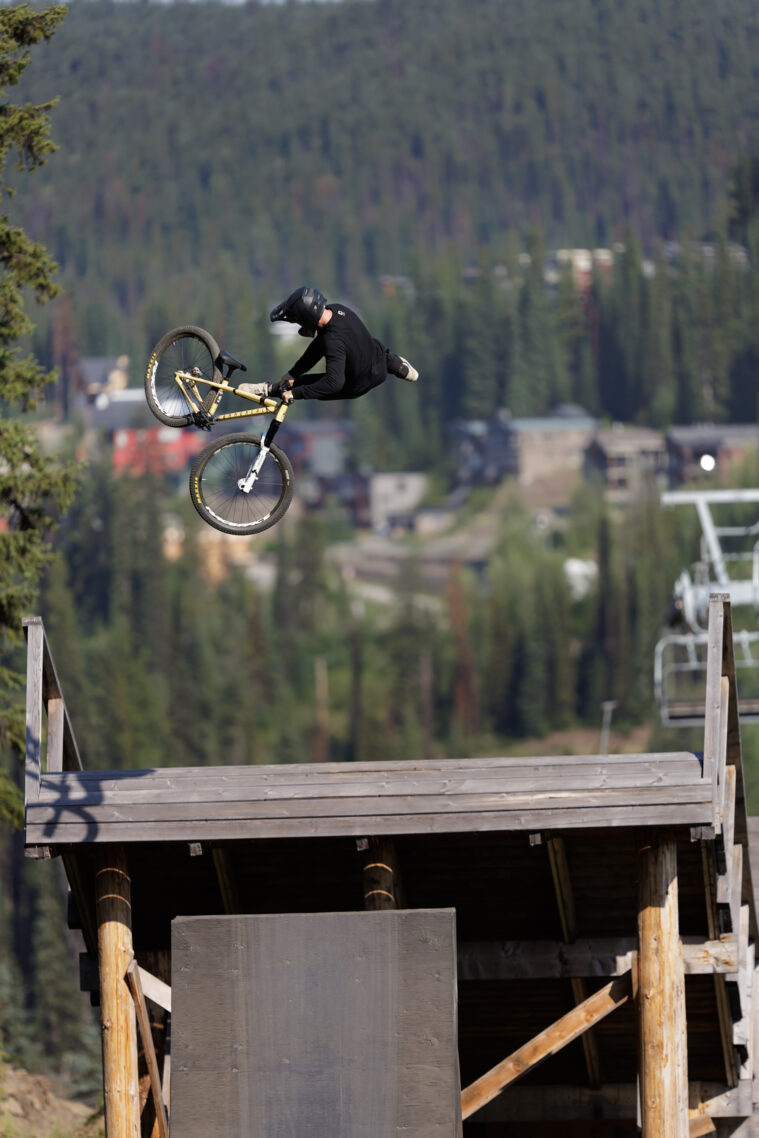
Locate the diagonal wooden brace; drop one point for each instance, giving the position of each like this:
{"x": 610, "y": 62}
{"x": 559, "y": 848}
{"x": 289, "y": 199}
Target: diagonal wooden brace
{"x": 548, "y": 1042}
{"x": 143, "y": 1022}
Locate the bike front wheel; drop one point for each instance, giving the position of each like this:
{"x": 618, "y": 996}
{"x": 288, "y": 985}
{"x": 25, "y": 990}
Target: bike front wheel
{"x": 215, "y": 491}
{"x": 182, "y": 349}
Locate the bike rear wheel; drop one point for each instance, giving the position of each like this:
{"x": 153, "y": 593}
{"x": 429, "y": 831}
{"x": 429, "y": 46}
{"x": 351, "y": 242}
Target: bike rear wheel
{"x": 217, "y": 497}
{"x": 182, "y": 349}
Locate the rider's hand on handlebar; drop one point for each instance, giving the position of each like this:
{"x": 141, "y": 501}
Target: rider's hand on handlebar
{"x": 282, "y": 389}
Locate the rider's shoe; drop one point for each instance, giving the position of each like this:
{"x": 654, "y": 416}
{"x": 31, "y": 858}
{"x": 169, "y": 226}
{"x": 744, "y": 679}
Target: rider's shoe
{"x": 402, "y": 368}
{"x": 261, "y": 389}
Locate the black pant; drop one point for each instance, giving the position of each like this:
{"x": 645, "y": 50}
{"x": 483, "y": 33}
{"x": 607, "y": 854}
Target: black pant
{"x": 359, "y": 386}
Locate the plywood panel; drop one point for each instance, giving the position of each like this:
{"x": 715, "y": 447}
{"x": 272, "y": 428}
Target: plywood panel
{"x": 335, "y": 1025}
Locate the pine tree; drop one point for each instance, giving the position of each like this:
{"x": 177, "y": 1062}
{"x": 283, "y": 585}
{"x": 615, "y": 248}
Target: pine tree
{"x": 574, "y": 332}
{"x": 479, "y": 352}
{"x": 657, "y": 379}
{"x": 58, "y": 1005}
{"x": 33, "y": 489}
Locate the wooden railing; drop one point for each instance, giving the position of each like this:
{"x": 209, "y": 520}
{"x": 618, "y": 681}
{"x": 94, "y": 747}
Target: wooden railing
{"x": 43, "y": 692}
{"x": 721, "y": 733}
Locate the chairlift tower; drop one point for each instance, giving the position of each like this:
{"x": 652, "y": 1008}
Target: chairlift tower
{"x": 680, "y": 656}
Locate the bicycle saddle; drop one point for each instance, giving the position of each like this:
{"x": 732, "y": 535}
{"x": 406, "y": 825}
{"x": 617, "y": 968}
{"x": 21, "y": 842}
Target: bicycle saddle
{"x": 224, "y": 358}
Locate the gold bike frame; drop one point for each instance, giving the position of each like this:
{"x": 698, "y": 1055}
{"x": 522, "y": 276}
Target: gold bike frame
{"x": 276, "y": 407}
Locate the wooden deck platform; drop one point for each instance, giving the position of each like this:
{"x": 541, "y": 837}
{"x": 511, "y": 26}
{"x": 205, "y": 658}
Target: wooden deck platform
{"x": 542, "y": 860}
{"x": 331, "y": 800}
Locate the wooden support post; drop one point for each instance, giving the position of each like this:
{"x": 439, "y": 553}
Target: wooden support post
{"x": 720, "y": 992}
{"x": 321, "y": 723}
{"x": 661, "y": 995}
{"x": 562, "y": 883}
{"x": 35, "y": 638}
{"x": 119, "y": 1029}
{"x": 227, "y": 881}
{"x": 380, "y": 887}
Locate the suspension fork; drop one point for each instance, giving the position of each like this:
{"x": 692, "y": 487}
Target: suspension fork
{"x": 247, "y": 483}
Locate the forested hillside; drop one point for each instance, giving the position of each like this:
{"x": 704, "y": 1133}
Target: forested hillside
{"x": 213, "y": 156}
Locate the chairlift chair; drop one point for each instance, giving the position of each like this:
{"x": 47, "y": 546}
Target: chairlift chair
{"x": 680, "y": 656}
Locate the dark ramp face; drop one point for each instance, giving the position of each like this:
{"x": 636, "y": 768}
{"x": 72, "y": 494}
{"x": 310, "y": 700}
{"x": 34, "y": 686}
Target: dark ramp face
{"x": 326, "y": 1025}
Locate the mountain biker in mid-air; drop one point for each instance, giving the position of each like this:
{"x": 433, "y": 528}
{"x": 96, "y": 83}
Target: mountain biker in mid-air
{"x": 355, "y": 362}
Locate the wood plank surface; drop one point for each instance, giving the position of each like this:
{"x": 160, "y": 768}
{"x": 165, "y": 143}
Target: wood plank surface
{"x": 73, "y": 829}
{"x": 328, "y": 772}
{"x": 321, "y": 779}
{"x": 339, "y": 1024}
{"x": 120, "y": 809}
{"x": 188, "y": 790}
{"x": 370, "y": 798}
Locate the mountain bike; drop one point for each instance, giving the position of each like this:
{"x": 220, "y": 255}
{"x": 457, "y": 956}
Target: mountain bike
{"x": 241, "y": 483}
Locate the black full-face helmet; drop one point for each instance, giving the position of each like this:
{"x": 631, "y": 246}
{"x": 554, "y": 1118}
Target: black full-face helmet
{"x": 304, "y": 307}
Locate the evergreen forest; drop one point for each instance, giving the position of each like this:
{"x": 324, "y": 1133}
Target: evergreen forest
{"x": 424, "y": 162}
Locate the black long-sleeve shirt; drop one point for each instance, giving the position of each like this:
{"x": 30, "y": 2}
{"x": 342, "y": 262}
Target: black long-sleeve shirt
{"x": 355, "y": 361}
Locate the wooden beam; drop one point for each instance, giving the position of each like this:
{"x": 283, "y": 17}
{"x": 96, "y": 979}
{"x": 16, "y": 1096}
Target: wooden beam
{"x": 743, "y": 1030}
{"x": 724, "y": 1018}
{"x": 225, "y": 876}
{"x": 35, "y": 637}
{"x": 562, "y": 883}
{"x": 712, "y": 732}
{"x": 155, "y": 977}
{"x": 379, "y": 874}
{"x": 143, "y": 1020}
{"x": 700, "y": 1126}
{"x": 588, "y": 957}
{"x": 526, "y": 1102}
{"x": 119, "y": 1031}
{"x": 62, "y": 750}
{"x": 724, "y": 707}
{"x": 155, "y": 989}
{"x": 243, "y": 803}
{"x": 613, "y": 995}
{"x": 82, "y": 893}
{"x": 661, "y": 995}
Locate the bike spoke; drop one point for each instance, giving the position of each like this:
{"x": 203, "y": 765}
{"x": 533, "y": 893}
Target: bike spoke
{"x": 222, "y": 496}
{"x": 184, "y": 354}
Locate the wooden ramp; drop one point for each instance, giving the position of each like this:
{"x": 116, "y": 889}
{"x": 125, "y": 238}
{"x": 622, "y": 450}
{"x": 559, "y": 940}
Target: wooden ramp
{"x": 605, "y": 916}
{"x": 353, "y": 799}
